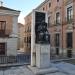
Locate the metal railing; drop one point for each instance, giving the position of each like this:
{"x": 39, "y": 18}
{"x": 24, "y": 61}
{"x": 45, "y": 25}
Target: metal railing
{"x": 21, "y": 58}
{"x": 68, "y": 21}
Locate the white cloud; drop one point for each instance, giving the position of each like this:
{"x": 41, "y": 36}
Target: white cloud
{"x": 21, "y": 19}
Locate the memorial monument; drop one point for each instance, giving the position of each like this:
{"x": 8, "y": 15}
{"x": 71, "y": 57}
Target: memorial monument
{"x": 40, "y": 43}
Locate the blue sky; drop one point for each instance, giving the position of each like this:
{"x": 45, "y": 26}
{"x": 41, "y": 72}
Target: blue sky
{"x": 25, "y": 6}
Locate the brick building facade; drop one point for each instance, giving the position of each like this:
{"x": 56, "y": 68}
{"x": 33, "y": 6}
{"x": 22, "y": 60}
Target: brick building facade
{"x": 27, "y": 38}
{"x": 21, "y": 37}
{"x": 61, "y": 26}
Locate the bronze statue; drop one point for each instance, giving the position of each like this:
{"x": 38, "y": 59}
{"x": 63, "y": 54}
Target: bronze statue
{"x": 42, "y": 35}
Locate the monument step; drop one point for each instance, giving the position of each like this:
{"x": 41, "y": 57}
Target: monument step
{"x": 40, "y": 71}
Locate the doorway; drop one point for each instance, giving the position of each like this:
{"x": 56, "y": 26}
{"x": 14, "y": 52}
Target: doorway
{"x": 69, "y": 53}
{"x": 57, "y": 51}
{"x": 57, "y": 43}
{"x": 2, "y": 49}
{"x": 69, "y": 44}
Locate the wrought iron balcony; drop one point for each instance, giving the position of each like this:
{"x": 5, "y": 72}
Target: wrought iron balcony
{"x": 68, "y": 21}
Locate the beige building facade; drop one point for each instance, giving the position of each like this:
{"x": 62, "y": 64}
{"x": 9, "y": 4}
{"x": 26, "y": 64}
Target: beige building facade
{"x": 8, "y": 32}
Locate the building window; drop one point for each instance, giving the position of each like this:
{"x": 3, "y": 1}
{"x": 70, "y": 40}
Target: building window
{"x": 57, "y": 40}
{"x": 57, "y": 43}
{"x": 50, "y": 39}
{"x": 69, "y": 14}
{"x": 57, "y": 0}
{"x": 69, "y": 40}
{"x": 49, "y": 21}
{"x": 49, "y": 5}
{"x": 57, "y": 51}
{"x": 25, "y": 30}
{"x": 2, "y": 48}
{"x": 57, "y": 18}
{"x": 29, "y": 29}
{"x": 30, "y": 39}
{"x": 2, "y": 27}
{"x": 69, "y": 53}
{"x": 25, "y": 39}
{"x": 43, "y": 8}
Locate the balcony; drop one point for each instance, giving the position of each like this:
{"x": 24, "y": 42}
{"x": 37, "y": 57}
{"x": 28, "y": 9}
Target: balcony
{"x": 70, "y": 21}
{"x": 3, "y": 30}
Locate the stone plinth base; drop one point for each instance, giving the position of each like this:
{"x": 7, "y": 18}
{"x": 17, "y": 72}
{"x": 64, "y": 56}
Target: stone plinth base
{"x": 42, "y": 55}
{"x": 38, "y": 71}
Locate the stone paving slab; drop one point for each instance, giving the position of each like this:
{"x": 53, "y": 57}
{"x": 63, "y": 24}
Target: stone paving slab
{"x": 21, "y": 70}
{"x": 1, "y": 72}
{"x": 57, "y": 73}
{"x": 13, "y": 64}
{"x": 66, "y": 67}
{"x": 38, "y": 71}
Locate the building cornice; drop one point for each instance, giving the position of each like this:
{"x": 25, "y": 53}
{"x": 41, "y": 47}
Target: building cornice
{"x": 42, "y": 4}
{"x": 8, "y": 11}
{"x": 38, "y": 7}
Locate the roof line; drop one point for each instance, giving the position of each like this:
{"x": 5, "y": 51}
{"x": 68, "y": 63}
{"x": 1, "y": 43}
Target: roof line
{"x": 38, "y": 6}
{"x": 41, "y": 4}
{"x": 6, "y": 8}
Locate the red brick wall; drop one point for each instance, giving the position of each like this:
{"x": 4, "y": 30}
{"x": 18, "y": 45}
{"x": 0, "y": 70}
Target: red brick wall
{"x": 9, "y": 22}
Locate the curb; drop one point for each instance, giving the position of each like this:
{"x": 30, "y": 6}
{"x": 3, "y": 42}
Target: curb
{"x": 13, "y": 65}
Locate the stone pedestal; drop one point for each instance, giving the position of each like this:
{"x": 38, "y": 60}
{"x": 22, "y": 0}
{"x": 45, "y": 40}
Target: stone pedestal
{"x": 41, "y": 60}
{"x": 42, "y": 55}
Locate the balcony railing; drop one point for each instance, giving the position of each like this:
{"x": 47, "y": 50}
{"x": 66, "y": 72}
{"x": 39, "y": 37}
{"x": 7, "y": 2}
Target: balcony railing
{"x": 57, "y": 23}
{"x": 68, "y": 21}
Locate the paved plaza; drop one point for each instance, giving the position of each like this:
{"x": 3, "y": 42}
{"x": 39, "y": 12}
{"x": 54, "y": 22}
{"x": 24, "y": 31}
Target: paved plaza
{"x": 64, "y": 69}
{"x": 18, "y": 70}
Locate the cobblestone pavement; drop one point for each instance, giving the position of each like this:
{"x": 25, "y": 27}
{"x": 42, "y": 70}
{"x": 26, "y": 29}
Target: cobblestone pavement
{"x": 22, "y": 70}
{"x": 19, "y": 70}
{"x": 57, "y": 73}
